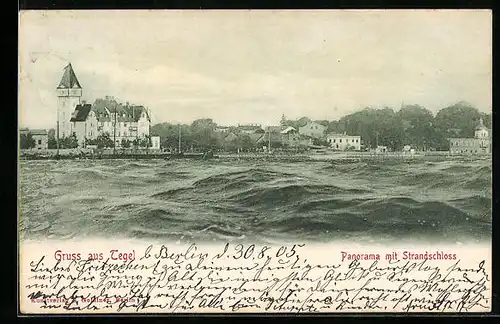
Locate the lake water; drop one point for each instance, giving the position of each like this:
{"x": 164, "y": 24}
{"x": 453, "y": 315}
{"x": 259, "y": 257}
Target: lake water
{"x": 185, "y": 200}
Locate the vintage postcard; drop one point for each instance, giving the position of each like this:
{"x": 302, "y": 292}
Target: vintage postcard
{"x": 279, "y": 161}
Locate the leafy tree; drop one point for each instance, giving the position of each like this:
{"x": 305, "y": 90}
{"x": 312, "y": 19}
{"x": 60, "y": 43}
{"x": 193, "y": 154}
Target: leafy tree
{"x": 104, "y": 141}
{"x": 26, "y": 141}
{"x": 320, "y": 142}
{"x": 52, "y": 141}
{"x": 323, "y": 122}
{"x": 375, "y": 126}
{"x": 458, "y": 120}
{"x": 417, "y": 123}
{"x": 145, "y": 142}
{"x": 125, "y": 143}
{"x": 68, "y": 142}
{"x": 336, "y": 126}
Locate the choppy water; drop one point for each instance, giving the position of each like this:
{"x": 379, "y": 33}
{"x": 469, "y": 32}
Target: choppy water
{"x": 199, "y": 200}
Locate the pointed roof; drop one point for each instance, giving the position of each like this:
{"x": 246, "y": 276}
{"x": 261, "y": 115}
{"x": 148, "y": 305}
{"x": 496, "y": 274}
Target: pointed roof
{"x": 69, "y": 80}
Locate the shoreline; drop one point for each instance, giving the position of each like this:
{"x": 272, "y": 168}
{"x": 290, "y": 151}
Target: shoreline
{"x": 331, "y": 157}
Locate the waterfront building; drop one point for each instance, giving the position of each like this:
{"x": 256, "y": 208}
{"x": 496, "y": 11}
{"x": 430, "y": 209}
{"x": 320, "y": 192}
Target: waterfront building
{"x": 69, "y": 93}
{"x": 88, "y": 121}
{"x": 479, "y": 144}
{"x": 344, "y": 142}
{"x": 313, "y": 129}
{"x": 40, "y": 136}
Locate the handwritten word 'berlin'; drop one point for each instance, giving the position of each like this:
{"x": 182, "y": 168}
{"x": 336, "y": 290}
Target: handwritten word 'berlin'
{"x": 251, "y": 278}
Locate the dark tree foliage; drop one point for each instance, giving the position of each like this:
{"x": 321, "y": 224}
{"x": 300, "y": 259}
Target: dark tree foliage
{"x": 26, "y": 141}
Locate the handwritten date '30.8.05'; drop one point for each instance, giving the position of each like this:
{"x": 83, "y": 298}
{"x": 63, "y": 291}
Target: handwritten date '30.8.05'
{"x": 239, "y": 278}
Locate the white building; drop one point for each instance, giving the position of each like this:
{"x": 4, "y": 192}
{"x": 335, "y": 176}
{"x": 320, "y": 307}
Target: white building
{"x": 313, "y": 129}
{"x": 479, "y": 144}
{"x": 69, "y": 93}
{"x": 88, "y": 121}
{"x": 343, "y": 142}
{"x": 155, "y": 142}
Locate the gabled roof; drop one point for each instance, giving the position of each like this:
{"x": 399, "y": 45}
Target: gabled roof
{"x": 125, "y": 113}
{"x": 81, "y": 112}
{"x": 69, "y": 79}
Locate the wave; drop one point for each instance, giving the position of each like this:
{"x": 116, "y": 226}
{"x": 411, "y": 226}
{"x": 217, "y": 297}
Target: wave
{"x": 186, "y": 200}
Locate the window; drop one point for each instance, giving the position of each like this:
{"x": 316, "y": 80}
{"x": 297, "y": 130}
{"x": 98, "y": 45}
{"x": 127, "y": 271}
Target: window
{"x": 352, "y": 141}
{"x": 39, "y": 142}
{"x": 340, "y": 140}
{"x": 334, "y": 140}
{"x": 357, "y": 141}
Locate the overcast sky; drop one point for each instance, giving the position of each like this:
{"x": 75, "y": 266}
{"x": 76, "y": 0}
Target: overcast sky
{"x": 253, "y": 66}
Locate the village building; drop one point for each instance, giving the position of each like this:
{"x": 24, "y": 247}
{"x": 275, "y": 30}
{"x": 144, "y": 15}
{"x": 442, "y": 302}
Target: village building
{"x": 88, "y": 121}
{"x": 292, "y": 138}
{"x": 40, "y": 136}
{"x": 343, "y": 142}
{"x": 313, "y": 129}
{"x": 250, "y": 128}
{"x": 479, "y": 144}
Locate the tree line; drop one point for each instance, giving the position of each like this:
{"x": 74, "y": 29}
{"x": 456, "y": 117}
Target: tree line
{"x": 412, "y": 125}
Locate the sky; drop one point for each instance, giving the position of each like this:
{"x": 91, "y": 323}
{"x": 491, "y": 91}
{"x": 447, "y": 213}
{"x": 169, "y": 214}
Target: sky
{"x": 240, "y": 67}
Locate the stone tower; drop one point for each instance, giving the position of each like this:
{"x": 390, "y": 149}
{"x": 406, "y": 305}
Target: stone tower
{"x": 69, "y": 93}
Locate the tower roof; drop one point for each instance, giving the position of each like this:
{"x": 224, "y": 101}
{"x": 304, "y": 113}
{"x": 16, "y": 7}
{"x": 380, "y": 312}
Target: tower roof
{"x": 481, "y": 125}
{"x": 69, "y": 80}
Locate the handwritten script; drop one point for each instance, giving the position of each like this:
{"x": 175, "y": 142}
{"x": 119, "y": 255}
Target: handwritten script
{"x": 250, "y": 278}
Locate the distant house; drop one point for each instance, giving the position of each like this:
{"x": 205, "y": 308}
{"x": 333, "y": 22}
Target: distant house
{"x": 313, "y": 129}
{"x": 479, "y": 144}
{"x": 381, "y": 149}
{"x": 40, "y": 136}
{"x": 250, "y": 128}
{"x": 343, "y": 142}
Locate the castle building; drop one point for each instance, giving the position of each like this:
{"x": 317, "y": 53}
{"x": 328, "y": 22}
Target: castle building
{"x": 479, "y": 144}
{"x": 69, "y": 93}
{"x": 88, "y": 121}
